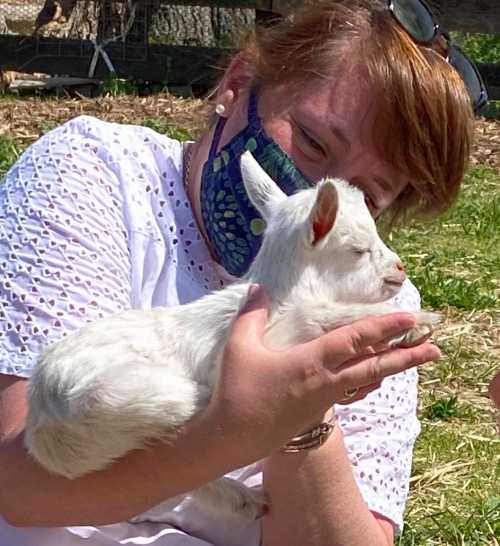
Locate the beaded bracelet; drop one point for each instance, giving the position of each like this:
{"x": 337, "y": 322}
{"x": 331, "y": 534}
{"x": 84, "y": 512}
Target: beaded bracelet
{"x": 312, "y": 439}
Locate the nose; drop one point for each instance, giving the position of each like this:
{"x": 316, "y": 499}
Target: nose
{"x": 397, "y": 275}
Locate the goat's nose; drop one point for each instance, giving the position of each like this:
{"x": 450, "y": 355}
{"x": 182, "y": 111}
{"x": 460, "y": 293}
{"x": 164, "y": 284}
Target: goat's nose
{"x": 400, "y": 267}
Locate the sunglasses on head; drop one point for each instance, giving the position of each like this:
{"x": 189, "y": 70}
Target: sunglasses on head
{"x": 417, "y": 19}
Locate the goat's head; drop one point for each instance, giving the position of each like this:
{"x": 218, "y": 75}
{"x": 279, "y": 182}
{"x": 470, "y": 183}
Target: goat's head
{"x": 321, "y": 240}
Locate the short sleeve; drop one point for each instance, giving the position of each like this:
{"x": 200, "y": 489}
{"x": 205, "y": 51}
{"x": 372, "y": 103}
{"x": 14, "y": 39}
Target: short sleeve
{"x": 380, "y": 432}
{"x": 64, "y": 259}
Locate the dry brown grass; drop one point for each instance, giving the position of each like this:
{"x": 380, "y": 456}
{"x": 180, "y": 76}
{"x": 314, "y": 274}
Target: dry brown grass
{"x": 27, "y": 119}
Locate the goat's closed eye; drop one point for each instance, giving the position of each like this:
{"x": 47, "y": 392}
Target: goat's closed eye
{"x": 361, "y": 251}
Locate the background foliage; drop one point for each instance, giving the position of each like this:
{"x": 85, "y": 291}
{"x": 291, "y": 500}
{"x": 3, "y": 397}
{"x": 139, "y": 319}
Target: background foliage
{"x": 483, "y": 48}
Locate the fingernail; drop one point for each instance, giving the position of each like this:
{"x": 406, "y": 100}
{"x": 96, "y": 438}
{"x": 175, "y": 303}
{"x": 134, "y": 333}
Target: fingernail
{"x": 253, "y": 292}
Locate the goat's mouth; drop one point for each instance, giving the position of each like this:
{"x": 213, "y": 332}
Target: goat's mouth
{"x": 394, "y": 282}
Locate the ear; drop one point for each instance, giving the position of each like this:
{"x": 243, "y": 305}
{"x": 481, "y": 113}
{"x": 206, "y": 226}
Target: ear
{"x": 262, "y": 190}
{"x": 324, "y": 212}
{"x": 235, "y": 83}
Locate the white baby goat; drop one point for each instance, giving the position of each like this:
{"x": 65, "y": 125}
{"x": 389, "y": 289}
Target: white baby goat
{"x": 136, "y": 376}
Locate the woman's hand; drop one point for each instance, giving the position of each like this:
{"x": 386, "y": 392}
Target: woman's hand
{"x": 272, "y": 395}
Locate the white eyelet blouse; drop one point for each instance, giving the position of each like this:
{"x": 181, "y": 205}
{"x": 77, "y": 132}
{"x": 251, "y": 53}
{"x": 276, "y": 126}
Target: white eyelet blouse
{"x": 94, "y": 219}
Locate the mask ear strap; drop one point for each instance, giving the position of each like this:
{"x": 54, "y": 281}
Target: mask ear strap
{"x": 253, "y": 111}
{"x": 216, "y": 138}
{"x": 253, "y": 121}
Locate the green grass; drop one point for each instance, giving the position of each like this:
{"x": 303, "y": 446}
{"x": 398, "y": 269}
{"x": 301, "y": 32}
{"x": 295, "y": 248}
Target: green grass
{"x": 483, "y": 48}
{"x": 441, "y": 408}
{"x": 9, "y": 152}
{"x": 455, "y": 498}
{"x": 164, "y": 126}
{"x": 455, "y": 262}
{"x": 47, "y": 125}
{"x": 116, "y": 87}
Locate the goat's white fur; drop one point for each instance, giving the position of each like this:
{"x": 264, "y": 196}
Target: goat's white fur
{"x": 137, "y": 376}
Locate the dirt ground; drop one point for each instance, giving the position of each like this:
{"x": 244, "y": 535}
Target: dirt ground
{"x": 26, "y": 119}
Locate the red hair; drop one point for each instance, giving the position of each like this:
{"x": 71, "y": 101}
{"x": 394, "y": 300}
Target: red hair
{"x": 424, "y": 119}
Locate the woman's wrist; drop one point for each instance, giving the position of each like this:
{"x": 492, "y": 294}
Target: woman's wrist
{"x": 327, "y": 417}
{"x": 234, "y": 436}
{"x": 313, "y": 437}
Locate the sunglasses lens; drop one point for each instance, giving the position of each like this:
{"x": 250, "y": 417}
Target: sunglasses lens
{"x": 470, "y": 76}
{"x": 415, "y": 18}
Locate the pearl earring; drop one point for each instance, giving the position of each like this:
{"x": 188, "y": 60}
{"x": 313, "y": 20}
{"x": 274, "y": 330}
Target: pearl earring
{"x": 220, "y": 109}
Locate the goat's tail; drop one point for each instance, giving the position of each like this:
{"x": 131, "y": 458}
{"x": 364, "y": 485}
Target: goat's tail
{"x": 73, "y": 435}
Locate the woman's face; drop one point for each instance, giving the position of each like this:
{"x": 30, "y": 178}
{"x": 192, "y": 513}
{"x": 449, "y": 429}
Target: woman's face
{"x": 327, "y": 129}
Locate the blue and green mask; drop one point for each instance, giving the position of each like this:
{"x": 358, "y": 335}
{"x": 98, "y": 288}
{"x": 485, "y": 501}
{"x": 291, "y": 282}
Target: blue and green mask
{"x": 233, "y": 225}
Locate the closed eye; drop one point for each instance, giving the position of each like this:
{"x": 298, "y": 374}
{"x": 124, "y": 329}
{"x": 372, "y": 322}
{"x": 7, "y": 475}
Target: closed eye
{"x": 361, "y": 251}
{"x": 311, "y": 142}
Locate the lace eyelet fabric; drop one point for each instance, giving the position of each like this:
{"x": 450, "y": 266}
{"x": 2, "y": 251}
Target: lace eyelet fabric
{"x": 91, "y": 222}
{"x": 94, "y": 219}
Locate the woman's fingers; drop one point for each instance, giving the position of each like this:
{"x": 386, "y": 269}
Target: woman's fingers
{"x": 364, "y": 371}
{"x": 347, "y": 352}
{"x": 354, "y": 340}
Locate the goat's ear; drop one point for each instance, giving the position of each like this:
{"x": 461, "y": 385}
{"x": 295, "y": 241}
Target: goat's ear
{"x": 324, "y": 212}
{"x": 262, "y": 191}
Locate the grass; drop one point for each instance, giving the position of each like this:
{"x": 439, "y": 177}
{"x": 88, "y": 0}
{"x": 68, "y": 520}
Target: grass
{"x": 164, "y": 126}
{"x": 483, "y": 48}
{"x": 454, "y": 495}
{"x": 455, "y": 492}
{"x": 441, "y": 408}
{"x": 458, "y": 263}
{"x": 9, "y": 152}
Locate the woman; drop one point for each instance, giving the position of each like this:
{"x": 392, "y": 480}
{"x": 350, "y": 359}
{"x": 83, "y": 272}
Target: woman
{"x": 99, "y": 217}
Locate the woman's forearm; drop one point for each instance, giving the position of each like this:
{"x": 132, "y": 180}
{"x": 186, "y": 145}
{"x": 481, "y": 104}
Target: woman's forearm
{"x": 31, "y": 497}
{"x": 314, "y": 499}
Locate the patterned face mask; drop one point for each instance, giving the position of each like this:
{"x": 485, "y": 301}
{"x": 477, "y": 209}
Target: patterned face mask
{"x": 233, "y": 225}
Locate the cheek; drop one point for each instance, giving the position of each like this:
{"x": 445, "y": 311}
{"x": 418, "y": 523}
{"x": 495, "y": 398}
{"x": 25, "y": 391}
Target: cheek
{"x": 281, "y": 132}
{"x": 360, "y": 280}
{"x": 369, "y": 284}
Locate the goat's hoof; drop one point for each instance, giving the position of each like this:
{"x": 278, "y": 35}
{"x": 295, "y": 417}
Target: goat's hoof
{"x": 231, "y": 497}
{"x": 426, "y": 323}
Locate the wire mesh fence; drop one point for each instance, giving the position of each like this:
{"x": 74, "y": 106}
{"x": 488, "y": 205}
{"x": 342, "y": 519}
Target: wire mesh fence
{"x": 18, "y": 17}
{"x": 99, "y": 37}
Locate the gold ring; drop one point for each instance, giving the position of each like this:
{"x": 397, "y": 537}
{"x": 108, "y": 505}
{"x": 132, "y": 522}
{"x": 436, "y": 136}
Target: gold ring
{"x": 349, "y": 394}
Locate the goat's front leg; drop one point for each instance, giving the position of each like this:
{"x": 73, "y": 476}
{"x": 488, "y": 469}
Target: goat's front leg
{"x": 309, "y": 320}
{"x": 426, "y": 323}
